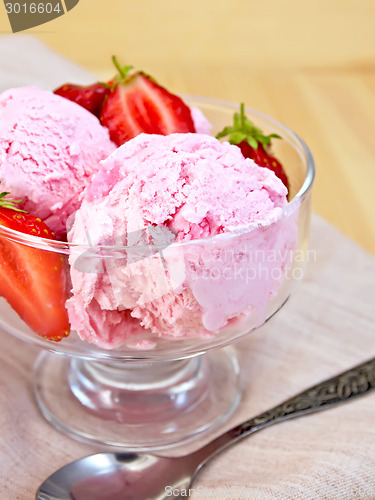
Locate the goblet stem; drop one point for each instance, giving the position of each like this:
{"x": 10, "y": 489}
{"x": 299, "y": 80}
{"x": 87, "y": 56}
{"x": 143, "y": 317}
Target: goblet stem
{"x": 140, "y": 393}
{"x": 142, "y": 406}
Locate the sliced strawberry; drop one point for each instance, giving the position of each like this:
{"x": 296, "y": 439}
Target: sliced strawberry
{"x": 32, "y": 280}
{"x": 91, "y": 97}
{"x": 253, "y": 143}
{"x": 138, "y": 104}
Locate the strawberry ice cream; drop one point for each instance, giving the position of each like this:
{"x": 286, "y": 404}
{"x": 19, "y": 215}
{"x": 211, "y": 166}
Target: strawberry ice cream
{"x": 209, "y": 211}
{"x": 49, "y": 149}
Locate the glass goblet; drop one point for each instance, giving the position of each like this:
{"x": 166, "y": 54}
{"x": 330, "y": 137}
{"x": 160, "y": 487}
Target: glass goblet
{"x": 158, "y": 390}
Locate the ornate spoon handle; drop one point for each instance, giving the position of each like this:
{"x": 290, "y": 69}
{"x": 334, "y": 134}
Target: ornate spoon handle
{"x": 344, "y": 387}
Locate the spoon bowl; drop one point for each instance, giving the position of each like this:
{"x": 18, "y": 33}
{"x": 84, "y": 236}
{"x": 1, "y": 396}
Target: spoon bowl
{"x": 118, "y": 476}
{"x": 123, "y": 476}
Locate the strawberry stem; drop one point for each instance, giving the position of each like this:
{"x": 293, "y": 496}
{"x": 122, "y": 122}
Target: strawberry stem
{"x": 242, "y": 111}
{"x": 123, "y": 70}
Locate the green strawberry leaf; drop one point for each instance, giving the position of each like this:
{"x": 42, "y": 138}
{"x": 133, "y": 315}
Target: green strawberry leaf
{"x": 252, "y": 142}
{"x": 225, "y": 131}
{"x": 238, "y": 137}
{"x": 264, "y": 139}
{"x": 7, "y": 203}
{"x": 244, "y": 130}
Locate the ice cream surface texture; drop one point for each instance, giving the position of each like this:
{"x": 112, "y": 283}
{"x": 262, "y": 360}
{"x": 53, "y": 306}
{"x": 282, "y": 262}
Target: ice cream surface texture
{"x": 49, "y": 149}
{"x": 212, "y": 204}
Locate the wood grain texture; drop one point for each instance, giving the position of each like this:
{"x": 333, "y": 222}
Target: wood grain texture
{"x": 308, "y": 64}
{"x": 240, "y": 33}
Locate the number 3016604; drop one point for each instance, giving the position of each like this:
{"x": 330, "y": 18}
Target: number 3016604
{"x": 32, "y": 8}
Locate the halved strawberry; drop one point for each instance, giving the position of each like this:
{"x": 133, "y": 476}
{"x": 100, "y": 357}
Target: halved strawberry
{"x": 253, "y": 143}
{"x": 138, "y": 104}
{"x": 32, "y": 280}
{"x": 91, "y": 97}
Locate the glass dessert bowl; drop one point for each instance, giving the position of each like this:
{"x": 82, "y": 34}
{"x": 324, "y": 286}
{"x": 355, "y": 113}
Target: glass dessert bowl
{"x": 151, "y": 388}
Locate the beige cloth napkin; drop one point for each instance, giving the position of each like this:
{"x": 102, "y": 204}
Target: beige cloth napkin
{"x": 327, "y": 327}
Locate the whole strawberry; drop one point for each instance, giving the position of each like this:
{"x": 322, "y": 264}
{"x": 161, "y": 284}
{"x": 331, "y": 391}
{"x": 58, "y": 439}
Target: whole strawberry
{"x": 253, "y": 143}
{"x": 32, "y": 280}
{"x": 91, "y": 97}
{"x": 136, "y": 104}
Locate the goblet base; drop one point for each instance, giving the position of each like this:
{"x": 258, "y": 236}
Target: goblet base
{"x": 139, "y": 406}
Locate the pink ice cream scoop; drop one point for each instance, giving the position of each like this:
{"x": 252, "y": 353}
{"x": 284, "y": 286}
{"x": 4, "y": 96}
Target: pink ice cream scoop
{"x": 49, "y": 149}
{"x": 209, "y": 210}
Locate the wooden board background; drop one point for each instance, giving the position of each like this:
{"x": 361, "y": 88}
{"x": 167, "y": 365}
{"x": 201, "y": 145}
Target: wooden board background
{"x": 310, "y": 64}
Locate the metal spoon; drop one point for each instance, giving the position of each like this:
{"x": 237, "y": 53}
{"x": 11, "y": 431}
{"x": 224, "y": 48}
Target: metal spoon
{"x": 122, "y": 476}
